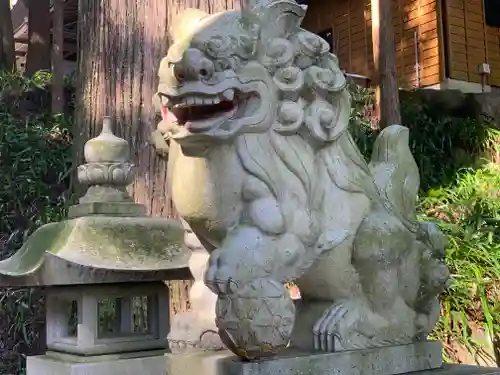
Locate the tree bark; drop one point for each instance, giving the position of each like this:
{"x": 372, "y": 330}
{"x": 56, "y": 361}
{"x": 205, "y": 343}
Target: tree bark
{"x": 121, "y": 43}
{"x": 209, "y": 6}
{"x": 57, "y": 96}
{"x": 384, "y": 58}
{"x": 7, "y": 50}
{"x": 38, "y": 57}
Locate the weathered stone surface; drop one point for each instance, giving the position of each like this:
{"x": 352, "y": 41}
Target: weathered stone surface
{"x": 209, "y": 364}
{"x": 123, "y": 364}
{"x": 265, "y": 172}
{"x": 122, "y": 244}
{"x": 107, "y": 208}
{"x": 88, "y": 339}
{"x": 377, "y": 361}
{"x": 56, "y": 271}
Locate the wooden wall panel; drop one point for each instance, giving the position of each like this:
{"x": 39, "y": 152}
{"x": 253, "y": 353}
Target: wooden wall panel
{"x": 471, "y": 42}
{"x": 493, "y": 53}
{"x": 416, "y": 36}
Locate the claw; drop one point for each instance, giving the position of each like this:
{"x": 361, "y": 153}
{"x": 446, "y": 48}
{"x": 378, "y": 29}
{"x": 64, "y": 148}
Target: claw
{"x": 210, "y": 274}
{"x": 225, "y": 285}
{"x": 331, "y": 327}
{"x": 325, "y": 331}
{"x": 218, "y": 276}
{"x": 317, "y": 331}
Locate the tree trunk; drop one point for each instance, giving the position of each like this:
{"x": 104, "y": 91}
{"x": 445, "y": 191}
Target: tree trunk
{"x": 57, "y": 96}
{"x": 38, "y": 57}
{"x": 387, "y": 94}
{"x": 2, "y": 58}
{"x": 121, "y": 43}
{"x": 209, "y": 6}
{"x": 7, "y": 52}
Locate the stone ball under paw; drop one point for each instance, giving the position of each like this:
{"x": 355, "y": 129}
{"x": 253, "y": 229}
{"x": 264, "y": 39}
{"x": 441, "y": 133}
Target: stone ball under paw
{"x": 256, "y": 320}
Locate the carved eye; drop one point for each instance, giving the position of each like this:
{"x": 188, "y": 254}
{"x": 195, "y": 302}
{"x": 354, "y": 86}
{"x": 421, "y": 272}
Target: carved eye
{"x": 217, "y": 45}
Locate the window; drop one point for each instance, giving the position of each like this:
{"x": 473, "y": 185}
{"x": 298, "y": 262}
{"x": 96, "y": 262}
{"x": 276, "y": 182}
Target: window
{"x": 492, "y": 12}
{"x": 328, "y": 36}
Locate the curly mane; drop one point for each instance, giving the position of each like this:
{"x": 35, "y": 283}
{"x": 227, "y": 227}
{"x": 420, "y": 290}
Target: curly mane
{"x": 306, "y": 180}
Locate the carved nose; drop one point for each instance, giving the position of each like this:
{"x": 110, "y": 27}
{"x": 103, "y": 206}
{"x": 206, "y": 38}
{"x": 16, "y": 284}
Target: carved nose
{"x": 193, "y": 66}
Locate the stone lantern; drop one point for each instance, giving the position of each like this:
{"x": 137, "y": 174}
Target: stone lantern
{"x": 103, "y": 268}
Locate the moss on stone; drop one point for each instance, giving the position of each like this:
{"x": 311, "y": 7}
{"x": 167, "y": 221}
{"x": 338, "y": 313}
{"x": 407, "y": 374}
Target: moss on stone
{"x": 103, "y": 242}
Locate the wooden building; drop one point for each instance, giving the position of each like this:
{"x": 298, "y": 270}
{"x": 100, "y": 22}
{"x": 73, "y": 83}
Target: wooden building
{"x": 20, "y": 23}
{"x": 446, "y": 44}
{"x": 439, "y": 43}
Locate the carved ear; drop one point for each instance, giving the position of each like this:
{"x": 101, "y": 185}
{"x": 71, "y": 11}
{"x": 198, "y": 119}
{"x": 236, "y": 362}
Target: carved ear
{"x": 276, "y": 18}
{"x": 282, "y": 19}
{"x": 185, "y": 22}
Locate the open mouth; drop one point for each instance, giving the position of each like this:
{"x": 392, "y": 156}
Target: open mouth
{"x": 198, "y": 112}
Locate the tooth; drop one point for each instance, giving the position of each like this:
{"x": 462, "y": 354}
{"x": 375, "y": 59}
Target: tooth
{"x": 198, "y": 101}
{"x": 190, "y": 101}
{"x": 164, "y": 100}
{"x": 228, "y": 94}
{"x": 214, "y": 100}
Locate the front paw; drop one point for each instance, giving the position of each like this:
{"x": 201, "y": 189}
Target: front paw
{"x": 219, "y": 276}
{"x": 326, "y": 330}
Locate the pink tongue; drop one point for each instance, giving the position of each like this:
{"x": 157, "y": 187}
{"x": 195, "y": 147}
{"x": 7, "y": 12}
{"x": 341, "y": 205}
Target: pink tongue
{"x": 167, "y": 115}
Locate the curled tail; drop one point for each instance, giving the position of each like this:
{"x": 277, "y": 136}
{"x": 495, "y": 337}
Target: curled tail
{"x": 397, "y": 178}
{"x": 396, "y": 174}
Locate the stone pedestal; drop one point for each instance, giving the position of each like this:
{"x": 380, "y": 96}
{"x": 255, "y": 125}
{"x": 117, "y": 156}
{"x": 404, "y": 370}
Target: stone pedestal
{"x": 392, "y": 360}
{"x": 395, "y": 360}
{"x": 148, "y": 363}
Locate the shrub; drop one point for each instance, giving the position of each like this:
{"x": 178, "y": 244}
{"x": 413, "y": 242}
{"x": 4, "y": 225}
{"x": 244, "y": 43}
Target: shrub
{"x": 460, "y": 192}
{"x": 35, "y": 160}
{"x": 468, "y": 211}
{"x": 442, "y": 145}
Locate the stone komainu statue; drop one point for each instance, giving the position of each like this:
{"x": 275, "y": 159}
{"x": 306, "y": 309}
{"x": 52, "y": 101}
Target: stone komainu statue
{"x": 264, "y": 170}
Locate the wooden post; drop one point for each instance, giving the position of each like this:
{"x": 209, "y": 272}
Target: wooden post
{"x": 57, "y": 57}
{"x": 7, "y": 54}
{"x": 384, "y": 59}
{"x": 38, "y": 57}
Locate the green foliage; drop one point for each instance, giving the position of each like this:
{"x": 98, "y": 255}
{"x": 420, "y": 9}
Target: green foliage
{"x": 361, "y": 126}
{"x": 460, "y": 192}
{"x": 15, "y": 82}
{"x": 442, "y": 145}
{"x": 468, "y": 211}
{"x": 35, "y": 160}
{"x": 35, "y": 156}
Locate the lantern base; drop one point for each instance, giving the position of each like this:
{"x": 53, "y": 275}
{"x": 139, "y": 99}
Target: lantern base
{"x": 143, "y": 363}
